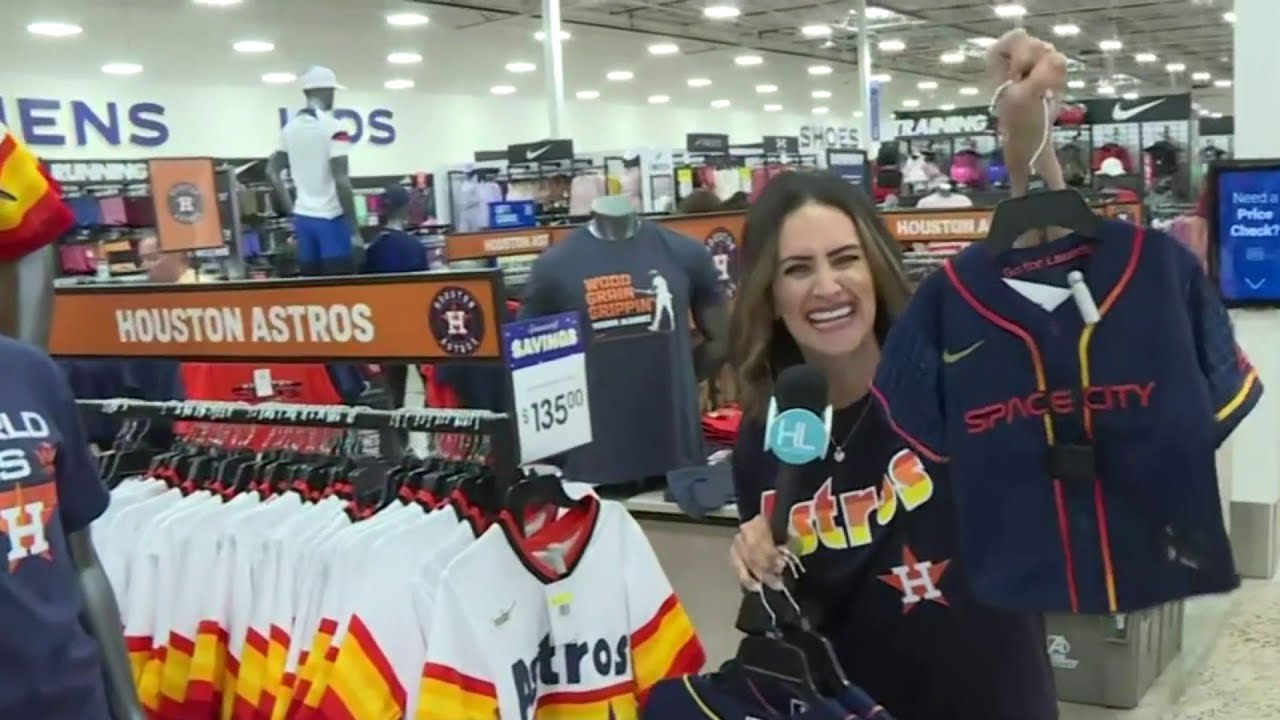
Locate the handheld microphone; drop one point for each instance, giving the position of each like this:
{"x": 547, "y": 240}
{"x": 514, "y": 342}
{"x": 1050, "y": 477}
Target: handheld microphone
{"x": 797, "y": 431}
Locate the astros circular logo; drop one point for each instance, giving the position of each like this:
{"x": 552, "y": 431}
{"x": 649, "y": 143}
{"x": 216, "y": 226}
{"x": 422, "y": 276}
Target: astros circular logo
{"x": 186, "y": 203}
{"x": 724, "y": 252}
{"x": 456, "y": 321}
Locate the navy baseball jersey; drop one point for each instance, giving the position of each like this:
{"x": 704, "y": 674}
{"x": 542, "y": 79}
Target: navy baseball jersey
{"x": 49, "y": 486}
{"x": 1082, "y": 455}
{"x": 737, "y": 696}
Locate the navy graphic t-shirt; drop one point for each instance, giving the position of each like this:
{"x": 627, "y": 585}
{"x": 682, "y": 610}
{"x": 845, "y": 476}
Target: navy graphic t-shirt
{"x": 49, "y": 486}
{"x": 883, "y": 581}
{"x": 636, "y": 295}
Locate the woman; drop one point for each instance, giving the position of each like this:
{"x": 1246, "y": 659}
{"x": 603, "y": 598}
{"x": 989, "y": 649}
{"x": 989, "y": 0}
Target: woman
{"x": 875, "y": 530}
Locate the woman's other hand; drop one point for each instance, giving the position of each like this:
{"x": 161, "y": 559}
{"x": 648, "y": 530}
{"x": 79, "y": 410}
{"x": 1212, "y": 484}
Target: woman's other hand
{"x": 754, "y": 557}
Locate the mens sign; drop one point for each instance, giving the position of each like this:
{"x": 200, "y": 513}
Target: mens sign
{"x": 50, "y": 122}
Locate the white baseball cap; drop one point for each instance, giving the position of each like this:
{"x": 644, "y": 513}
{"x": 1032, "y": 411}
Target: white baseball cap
{"x": 319, "y": 78}
{"x": 1111, "y": 167}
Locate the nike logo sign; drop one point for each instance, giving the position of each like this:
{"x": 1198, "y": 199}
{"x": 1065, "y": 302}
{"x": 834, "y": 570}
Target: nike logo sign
{"x": 536, "y": 153}
{"x": 1119, "y": 113}
{"x": 951, "y": 357}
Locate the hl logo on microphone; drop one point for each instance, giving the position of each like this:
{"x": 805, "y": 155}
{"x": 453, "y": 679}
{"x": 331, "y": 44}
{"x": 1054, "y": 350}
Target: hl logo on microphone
{"x": 797, "y": 436}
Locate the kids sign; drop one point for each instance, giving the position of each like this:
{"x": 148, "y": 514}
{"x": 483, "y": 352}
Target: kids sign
{"x": 409, "y": 317}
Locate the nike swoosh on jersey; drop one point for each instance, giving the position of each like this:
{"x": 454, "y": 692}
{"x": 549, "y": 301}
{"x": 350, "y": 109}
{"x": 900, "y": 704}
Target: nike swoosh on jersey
{"x": 951, "y": 357}
{"x": 535, "y": 154}
{"x": 1120, "y": 114}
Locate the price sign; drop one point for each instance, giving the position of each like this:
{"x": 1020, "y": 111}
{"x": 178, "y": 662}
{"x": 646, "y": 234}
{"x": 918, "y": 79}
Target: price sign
{"x": 549, "y": 380}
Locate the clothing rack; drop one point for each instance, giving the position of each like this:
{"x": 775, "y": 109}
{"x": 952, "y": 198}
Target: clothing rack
{"x": 499, "y": 427}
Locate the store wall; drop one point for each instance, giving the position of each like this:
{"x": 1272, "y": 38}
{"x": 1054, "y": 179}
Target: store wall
{"x": 395, "y": 131}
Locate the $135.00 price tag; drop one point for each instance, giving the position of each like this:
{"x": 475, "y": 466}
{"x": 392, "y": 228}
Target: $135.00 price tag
{"x": 549, "y": 380}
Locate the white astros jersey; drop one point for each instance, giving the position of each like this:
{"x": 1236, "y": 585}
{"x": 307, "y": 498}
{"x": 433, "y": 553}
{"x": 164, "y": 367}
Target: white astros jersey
{"x": 512, "y": 638}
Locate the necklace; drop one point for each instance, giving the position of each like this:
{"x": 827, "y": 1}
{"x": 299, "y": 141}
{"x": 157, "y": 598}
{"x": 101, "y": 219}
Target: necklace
{"x": 837, "y": 452}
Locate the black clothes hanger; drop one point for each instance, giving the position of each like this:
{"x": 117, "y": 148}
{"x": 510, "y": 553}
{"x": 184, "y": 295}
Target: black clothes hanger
{"x": 1053, "y": 208}
{"x": 538, "y": 489}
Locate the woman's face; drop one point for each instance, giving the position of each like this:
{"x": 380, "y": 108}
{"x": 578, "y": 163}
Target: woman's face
{"x": 823, "y": 290}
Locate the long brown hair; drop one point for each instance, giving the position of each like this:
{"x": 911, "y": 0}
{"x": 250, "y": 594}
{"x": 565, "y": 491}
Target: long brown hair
{"x": 759, "y": 344}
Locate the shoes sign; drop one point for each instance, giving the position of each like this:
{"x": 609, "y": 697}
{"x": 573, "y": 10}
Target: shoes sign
{"x": 934, "y": 123}
{"x": 1149, "y": 108}
{"x": 819, "y": 137}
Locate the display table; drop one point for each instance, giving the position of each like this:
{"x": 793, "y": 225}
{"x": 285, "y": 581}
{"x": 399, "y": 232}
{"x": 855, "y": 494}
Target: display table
{"x": 695, "y": 556}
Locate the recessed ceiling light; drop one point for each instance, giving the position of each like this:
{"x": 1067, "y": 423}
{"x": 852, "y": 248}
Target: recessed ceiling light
{"x": 564, "y": 35}
{"x": 698, "y": 82}
{"x": 766, "y": 89}
{"x": 122, "y": 68}
{"x": 1229, "y": 16}
{"x": 720, "y": 11}
{"x": 521, "y": 67}
{"x": 820, "y": 94}
{"x": 1175, "y": 67}
{"x": 748, "y": 60}
{"x": 879, "y": 13}
{"x": 947, "y": 107}
{"x": 49, "y": 28}
{"x": 857, "y": 113}
{"x": 968, "y": 91}
{"x": 1201, "y": 76}
{"x": 720, "y": 104}
{"x": 1216, "y": 115}
{"x": 620, "y": 75}
{"x": 1145, "y": 57}
{"x": 407, "y": 19}
{"x": 664, "y": 48}
{"x": 502, "y": 89}
{"x": 951, "y": 58}
{"x": 820, "y": 70}
{"x": 821, "y": 110}
{"x": 1109, "y": 45}
{"x": 279, "y": 78}
{"x": 1106, "y": 90}
{"x": 772, "y": 108}
{"x": 1222, "y": 83}
{"x": 404, "y": 58}
{"x": 1010, "y": 10}
{"x": 398, "y": 84}
{"x": 910, "y": 103}
{"x": 1130, "y": 95}
{"x": 891, "y": 46}
{"x": 659, "y": 99}
{"x": 1066, "y": 30}
{"x": 816, "y": 31}
{"x": 1075, "y": 84}
{"x": 253, "y": 46}
{"x": 218, "y": 3}
{"x": 982, "y": 42}
{"x": 927, "y": 85}
{"x": 587, "y": 94}
{"x": 881, "y": 77}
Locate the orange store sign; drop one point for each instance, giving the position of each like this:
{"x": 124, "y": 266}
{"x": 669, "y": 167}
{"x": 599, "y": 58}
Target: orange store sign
{"x": 400, "y": 317}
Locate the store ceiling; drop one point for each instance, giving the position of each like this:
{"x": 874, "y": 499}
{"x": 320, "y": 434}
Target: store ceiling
{"x": 467, "y": 45}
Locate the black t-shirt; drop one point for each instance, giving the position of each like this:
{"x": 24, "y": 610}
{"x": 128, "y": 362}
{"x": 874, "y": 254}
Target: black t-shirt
{"x": 882, "y": 576}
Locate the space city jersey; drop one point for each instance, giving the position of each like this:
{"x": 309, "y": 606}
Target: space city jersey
{"x": 636, "y": 295}
{"x": 883, "y": 579}
{"x": 1124, "y": 512}
{"x": 513, "y": 638}
{"x": 49, "y": 486}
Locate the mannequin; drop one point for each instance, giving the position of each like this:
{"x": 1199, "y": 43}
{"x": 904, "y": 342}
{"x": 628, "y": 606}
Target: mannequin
{"x": 658, "y": 317}
{"x": 313, "y": 149}
{"x": 26, "y": 303}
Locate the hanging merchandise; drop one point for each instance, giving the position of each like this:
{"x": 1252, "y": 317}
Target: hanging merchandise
{"x": 636, "y": 282}
{"x": 1078, "y": 416}
{"x": 296, "y": 584}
